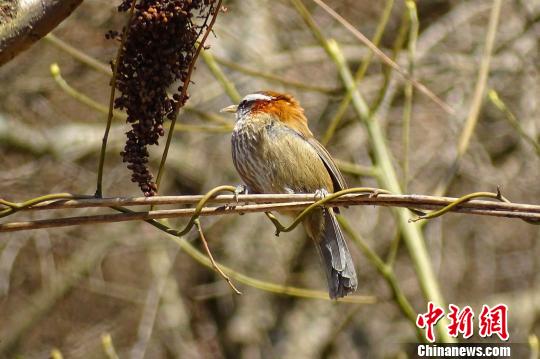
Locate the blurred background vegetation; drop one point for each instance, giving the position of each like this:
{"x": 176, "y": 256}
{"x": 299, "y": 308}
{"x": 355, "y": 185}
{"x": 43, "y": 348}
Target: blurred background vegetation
{"x": 130, "y": 281}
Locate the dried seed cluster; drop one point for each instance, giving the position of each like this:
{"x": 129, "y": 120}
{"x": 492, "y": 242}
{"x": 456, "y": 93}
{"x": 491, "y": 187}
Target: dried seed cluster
{"x": 158, "y": 51}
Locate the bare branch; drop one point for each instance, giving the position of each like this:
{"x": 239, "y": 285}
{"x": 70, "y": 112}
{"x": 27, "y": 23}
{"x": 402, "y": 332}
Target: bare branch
{"x": 30, "y": 21}
{"x": 387, "y": 60}
{"x": 261, "y": 203}
{"x": 211, "y": 257}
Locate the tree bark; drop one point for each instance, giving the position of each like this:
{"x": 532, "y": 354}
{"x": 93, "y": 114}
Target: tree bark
{"x": 23, "y": 22}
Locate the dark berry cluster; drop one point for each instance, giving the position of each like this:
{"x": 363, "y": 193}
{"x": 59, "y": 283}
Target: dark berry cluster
{"x": 158, "y": 51}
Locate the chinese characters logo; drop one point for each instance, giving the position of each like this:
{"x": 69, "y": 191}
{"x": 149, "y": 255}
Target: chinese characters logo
{"x": 492, "y": 321}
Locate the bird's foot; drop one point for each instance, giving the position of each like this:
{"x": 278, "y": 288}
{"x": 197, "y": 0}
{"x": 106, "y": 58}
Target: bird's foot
{"x": 240, "y": 189}
{"x": 321, "y": 194}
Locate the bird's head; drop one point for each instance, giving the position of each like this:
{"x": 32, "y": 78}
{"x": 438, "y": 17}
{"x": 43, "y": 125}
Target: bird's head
{"x": 279, "y": 106}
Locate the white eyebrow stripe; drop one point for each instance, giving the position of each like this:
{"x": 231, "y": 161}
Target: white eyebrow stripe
{"x": 257, "y": 96}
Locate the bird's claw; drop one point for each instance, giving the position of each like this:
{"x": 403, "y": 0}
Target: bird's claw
{"x": 240, "y": 189}
{"x": 321, "y": 194}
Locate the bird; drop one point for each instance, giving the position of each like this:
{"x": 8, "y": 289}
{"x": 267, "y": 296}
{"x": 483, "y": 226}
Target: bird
{"x": 274, "y": 151}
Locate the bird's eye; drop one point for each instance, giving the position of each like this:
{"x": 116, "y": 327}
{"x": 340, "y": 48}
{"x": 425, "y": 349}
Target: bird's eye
{"x": 243, "y": 103}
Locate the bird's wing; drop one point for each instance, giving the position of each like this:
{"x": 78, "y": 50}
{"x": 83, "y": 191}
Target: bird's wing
{"x": 337, "y": 177}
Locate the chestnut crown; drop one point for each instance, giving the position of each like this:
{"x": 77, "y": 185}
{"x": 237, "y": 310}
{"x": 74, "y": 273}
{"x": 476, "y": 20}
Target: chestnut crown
{"x": 282, "y": 107}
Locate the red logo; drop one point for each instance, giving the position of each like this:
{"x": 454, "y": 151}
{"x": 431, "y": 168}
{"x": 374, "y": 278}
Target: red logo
{"x": 493, "y": 321}
{"x": 461, "y": 321}
{"x": 490, "y": 322}
{"x": 429, "y": 319}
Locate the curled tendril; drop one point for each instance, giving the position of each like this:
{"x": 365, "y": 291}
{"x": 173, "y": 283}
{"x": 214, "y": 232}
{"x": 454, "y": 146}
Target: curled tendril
{"x": 498, "y": 195}
{"x": 373, "y": 192}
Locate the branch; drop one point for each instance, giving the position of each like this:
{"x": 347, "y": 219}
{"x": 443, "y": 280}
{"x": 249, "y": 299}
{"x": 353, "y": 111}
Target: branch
{"x": 483, "y": 74}
{"x": 262, "y": 203}
{"x": 496, "y": 100}
{"x": 119, "y": 54}
{"x": 477, "y": 99}
{"x": 211, "y": 257}
{"x": 30, "y": 21}
{"x": 359, "y": 74}
{"x": 274, "y": 78}
{"x": 388, "y": 61}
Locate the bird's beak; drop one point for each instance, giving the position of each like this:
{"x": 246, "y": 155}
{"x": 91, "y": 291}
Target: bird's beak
{"x": 231, "y": 108}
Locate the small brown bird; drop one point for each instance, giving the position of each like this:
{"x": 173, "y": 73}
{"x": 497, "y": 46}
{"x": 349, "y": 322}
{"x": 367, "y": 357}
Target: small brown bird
{"x": 274, "y": 151}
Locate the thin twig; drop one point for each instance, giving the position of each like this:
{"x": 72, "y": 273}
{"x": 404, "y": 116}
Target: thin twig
{"x": 84, "y": 99}
{"x": 386, "y": 91}
{"x": 214, "y": 68}
{"x": 457, "y": 202}
{"x": 161, "y": 263}
{"x": 496, "y": 100}
{"x": 274, "y": 78}
{"x": 13, "y": 207}
{"x": 79, "y": 55}
{"x": 359, "y": 75}
{"x": 183, "y": 94}
{"x": 79, "y": 96}
{"x": 534, "y": 345}
{"x": 477, "y": 100}
{"x": 108, "y": 346}
{"x": 356, "y": 169}
{"x": 281, "y": 228}
{"x": 483, "y": 73}
{"x": 387, "y": 60}
{"x": 203, "y": 128}
{"x": 56, "y": 354}
{"x": 119, "y": 53}
{"x": 214, "y": 264}
{"x": 408, "y": 105}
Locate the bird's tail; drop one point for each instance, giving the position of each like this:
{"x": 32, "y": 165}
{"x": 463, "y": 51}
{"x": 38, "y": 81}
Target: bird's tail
{"x": 334, "y": 252}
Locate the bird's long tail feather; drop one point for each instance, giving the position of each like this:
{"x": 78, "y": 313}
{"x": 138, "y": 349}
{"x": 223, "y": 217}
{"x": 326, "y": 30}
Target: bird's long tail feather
{"x": 336, "y": 257}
